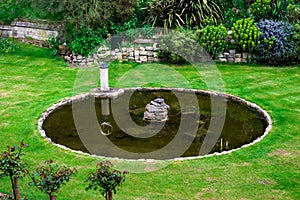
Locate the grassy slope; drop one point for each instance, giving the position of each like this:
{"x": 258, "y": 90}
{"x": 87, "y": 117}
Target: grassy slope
{"x": 30, "y": 82}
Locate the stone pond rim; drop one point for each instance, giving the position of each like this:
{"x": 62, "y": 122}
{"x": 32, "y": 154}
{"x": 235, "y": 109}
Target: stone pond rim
{"x": 117, "y": 92}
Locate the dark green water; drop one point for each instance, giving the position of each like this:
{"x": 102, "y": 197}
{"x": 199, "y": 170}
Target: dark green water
{"x": 242, "y": 126}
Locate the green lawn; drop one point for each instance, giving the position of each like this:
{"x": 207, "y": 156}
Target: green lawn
{"x": 31, "y": 81}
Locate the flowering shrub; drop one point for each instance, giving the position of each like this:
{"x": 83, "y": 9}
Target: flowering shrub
{"x": 265, "y": 9}
{"x": 12, "y": 166}
{"x": 282, "y": 48}
{"x": 49, "y": 177}
{"x": 246, "y": 35}
{"x": 213, "y": 39}
{"x": 105, "y": 179}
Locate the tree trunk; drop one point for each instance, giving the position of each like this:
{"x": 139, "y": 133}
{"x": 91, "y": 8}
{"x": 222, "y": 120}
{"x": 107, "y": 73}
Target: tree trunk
{"x": 12, "y": 185}
{"x": 110, "y": 195}
{"x": 16, "y": 189}
{"x": 249, "y": 5}
{"x": 52, "y": 197}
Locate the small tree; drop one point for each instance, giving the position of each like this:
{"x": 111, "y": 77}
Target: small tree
{"x": 49, "y": 177}
{"x": 12, "y": 166}
{"x": 107, "y": 179}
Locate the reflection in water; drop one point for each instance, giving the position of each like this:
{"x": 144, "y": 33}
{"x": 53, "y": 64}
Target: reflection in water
{"x": 242, "y": 125}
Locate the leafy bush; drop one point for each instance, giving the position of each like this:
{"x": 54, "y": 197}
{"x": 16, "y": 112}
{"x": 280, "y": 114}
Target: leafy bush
{"x": 130, "y": 35}
{"x": 296, "y": 39}
{"x": 282, "y": 49}
{"x": 259, "y": 9}
{"x": 87, "y": 39}
{"x": 140, "y": 13}
{"x": 266, "y": 9}
{"x": 233, "y": 10}
{"x": 49, "y": 177}
{"x": 137, "y": 20}
{"x": 12, "y": 9}
{"x": 88, "y": 13}
{"x": 105, "y": 179}
{"x": 294, "y": 13}
{"x": 53, "y": 44}
{"x": 179, "y": 46}
{"x": 8, "y": 46}
{"x": 214, "y": 39}
{"x": 246, "y": 35}
{"x": 174, "y": 13}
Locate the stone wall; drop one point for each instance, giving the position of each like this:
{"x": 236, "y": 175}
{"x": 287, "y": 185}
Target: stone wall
{"x": 140, "y": 55}
{"x": 233, "y": 57}
{"x": 144, "y": 54}
{"x": 28, "y": 30}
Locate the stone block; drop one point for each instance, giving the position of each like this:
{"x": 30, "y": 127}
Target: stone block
{"x": 231, "y": 60}
{"x": 67, "y": 58}
{"x": 142, "y": 48}
{"x": 238, "y": 60}
{"x": 131, "y": 58}
{"x": 232, "y": 51}
{"x": 119, "y": 56}
{"x": 143, "y": 58}
{"x": 245, "y": 55}
{"x": 143, "y": 53}
{"x": 130, "y": 49}
{"x": 226, "y": 55}
{"x": 136, "y": 53}
{"x": 231, "y": 55}
{"x": 150, "y": 53}
{"x": 150, "y": 59}
{"x": 238, "y": 55}
{"x": 149, "y": 48}
{"x": 223, "y": 59}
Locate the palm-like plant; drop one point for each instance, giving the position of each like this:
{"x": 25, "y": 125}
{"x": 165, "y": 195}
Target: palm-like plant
{"x": 164, "y": 13}
{"x": 174, "y": 13}
{"x": 195, "y": 12}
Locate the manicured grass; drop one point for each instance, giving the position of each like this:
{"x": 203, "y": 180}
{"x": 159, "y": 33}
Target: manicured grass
{"x": 31, "y": 81}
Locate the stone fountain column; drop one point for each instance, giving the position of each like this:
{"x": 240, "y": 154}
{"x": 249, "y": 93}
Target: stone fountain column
{"x": 104, "y": 77}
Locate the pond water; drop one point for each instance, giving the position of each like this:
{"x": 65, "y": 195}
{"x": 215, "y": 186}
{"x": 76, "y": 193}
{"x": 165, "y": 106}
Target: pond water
{"x": 242, "y": 125}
